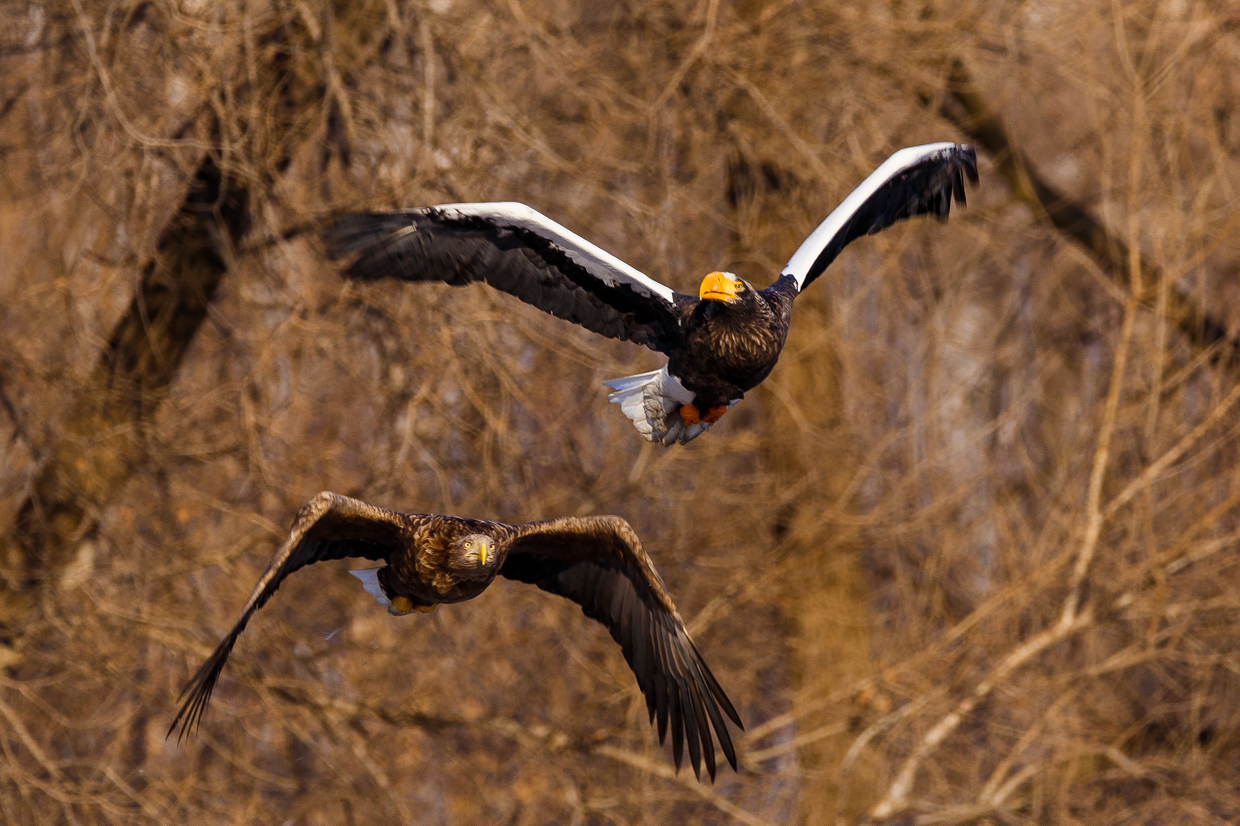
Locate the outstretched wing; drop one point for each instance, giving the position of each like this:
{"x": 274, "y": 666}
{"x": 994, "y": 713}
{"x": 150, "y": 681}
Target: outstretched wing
{"x": 520, "y": 251}
{"x": 914, "y": 181}
{"x": 329, "y": 526}
{"x": 598, "y": 563}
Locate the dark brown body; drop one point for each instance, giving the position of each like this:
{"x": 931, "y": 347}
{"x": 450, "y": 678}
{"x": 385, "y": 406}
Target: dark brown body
{"x": 427, "y": 572}
{"x": 730, "y": 348}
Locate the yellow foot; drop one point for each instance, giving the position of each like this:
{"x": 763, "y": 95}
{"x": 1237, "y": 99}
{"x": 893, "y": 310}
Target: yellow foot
{"x": 714, "y": 414}
{"x": 404, "y": 605}
{"x": 689, "y": 413}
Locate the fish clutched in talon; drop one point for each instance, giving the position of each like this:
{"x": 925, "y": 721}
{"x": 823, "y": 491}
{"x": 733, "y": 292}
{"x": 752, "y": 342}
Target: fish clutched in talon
{"x": 595, "y": 561}
{"x": 719, "y": 345}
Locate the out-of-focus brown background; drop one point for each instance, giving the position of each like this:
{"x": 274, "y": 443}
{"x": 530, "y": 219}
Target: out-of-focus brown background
{"x": 969, "y": 555}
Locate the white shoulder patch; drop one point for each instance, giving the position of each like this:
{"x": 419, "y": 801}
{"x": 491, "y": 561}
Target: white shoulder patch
{"x": 602, "y": 264}
{"x": 799, "y": 264}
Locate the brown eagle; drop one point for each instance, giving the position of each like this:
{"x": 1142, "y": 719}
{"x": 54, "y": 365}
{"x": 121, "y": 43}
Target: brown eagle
{"x": 719, "y": 344}
{"x": 596, "y": 561}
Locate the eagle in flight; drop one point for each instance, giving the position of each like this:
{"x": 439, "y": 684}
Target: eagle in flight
{"x": 595, "y": 561}
{"x": 719, "y": 345}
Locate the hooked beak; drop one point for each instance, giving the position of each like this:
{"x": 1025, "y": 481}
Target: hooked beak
{"x": 479, "y": 547}
{"x": 719, "y": 286}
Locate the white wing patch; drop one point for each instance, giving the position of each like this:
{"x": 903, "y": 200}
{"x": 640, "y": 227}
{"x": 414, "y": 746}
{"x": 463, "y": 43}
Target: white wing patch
{"x": 799, "y": 264}
{"x": 602, "y": 264}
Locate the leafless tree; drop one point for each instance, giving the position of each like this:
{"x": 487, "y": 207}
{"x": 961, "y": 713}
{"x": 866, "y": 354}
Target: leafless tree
{"x": 967, "y": 556}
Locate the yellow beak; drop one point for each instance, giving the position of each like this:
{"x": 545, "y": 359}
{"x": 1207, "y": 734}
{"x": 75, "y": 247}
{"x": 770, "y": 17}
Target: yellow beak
{"x": 483, "y": 553}
{"x": 719, "y": 286}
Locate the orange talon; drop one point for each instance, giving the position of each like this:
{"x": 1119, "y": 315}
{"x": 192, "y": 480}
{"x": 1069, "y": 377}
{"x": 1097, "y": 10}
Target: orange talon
{"x": 689, "y": 413}
{"x": 714, "y": 414}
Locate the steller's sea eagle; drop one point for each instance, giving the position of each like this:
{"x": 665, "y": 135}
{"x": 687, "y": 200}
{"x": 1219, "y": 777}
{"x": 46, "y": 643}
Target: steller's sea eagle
{"x": 718, "y": 345}
{"x": 595, "y": 561}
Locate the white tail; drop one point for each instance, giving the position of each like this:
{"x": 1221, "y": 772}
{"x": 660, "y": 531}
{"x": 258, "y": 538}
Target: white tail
{"x": 370, "y": 581}
{"x": 653, "y": 400}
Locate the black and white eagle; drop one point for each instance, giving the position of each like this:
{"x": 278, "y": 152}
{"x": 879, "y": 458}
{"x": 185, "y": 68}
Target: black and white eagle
{"x": 719, "y": 345}
{"x": 595, "y": 561}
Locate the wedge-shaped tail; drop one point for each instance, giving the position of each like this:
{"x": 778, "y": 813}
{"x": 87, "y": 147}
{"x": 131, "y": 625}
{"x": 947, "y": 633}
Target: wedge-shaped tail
{"x": 653, "y": 401}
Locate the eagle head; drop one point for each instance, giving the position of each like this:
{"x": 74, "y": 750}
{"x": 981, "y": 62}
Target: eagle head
{"x": 475, "y": 550}
{"x": 725, "y": 287}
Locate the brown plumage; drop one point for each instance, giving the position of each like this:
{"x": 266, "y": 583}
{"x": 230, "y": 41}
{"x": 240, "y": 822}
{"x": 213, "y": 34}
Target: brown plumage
{"x": 596, "y": 561}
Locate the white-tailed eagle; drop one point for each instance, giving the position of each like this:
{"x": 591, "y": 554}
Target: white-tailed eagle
{"x": 595, "y": 561}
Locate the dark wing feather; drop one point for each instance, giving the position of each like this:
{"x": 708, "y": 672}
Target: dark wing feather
{"x": 329, "y": 526}
{"x": 598, "y": 562}
{"x": 918, "y": 180}
{"x": 517, "y": 250}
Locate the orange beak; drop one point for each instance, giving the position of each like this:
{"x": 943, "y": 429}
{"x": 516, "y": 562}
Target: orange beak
{"x": 719, "y": 286}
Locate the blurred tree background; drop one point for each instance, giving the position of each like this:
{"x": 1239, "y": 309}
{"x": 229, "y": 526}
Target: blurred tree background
{"x": 968, "y": 556}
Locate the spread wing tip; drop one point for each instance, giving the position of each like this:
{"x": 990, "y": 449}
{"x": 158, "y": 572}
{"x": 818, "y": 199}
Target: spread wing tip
{"x": 355, "y": 232}
{"x": 371, "y": 240}
{"x": 968, "y": 154}
{"x": 965, "y": 166}
{"x": 197, "y": 692}
{"x": 696, "y": 705}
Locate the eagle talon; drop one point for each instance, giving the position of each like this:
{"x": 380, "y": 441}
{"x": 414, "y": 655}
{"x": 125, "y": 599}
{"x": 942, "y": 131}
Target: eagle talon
{"x": 715, "y": 413}
{"x": 689, "y": 414}
{"x": 402, "y": 605}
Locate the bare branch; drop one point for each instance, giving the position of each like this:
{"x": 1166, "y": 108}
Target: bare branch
{"x": 976, "y": 119}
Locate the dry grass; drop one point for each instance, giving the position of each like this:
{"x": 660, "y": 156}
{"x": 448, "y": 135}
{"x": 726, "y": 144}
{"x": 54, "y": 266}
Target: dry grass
{"x": 969, "y": 555}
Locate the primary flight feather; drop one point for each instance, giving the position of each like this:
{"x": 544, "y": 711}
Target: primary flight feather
{"x": 719, "y": 345}
{"x": 596, "y": 561}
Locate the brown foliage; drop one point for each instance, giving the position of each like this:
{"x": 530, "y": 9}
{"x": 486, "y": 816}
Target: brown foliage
{"x": 967, "y": 556}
